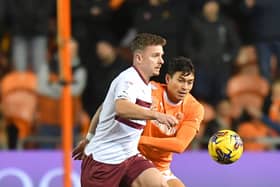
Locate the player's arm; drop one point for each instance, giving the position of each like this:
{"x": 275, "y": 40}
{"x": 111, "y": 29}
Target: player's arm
{"x": 177, "y": 144}
{"x": 94, "y": 122}
{"x": 78, "y": 151}
{"x": 184, "y": 135}
{"x": 125, "y": 94}
{"x": 126, "y": 109}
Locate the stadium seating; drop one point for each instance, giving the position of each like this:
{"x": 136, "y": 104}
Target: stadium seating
{"x": 19, "y": 100}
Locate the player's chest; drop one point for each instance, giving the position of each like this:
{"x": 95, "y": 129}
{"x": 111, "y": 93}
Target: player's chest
{"x": 164, "y": 107}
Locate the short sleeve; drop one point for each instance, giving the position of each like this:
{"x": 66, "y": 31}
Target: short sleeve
{"x": 126, "y": 89}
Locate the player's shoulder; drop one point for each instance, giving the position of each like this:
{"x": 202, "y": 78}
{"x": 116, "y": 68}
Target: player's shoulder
{"x": 128, "y": 75}
{"x": 127, "y": 72}
{"x": 193, "y": 108}
{"x": 190, "y": 100}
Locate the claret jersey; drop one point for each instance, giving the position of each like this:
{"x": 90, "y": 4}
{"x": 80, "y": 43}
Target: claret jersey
{"x": 116, "y": 138}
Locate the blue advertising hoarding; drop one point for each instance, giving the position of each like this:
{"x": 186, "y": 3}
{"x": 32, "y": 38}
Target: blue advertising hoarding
{"x": 196, "y": 169}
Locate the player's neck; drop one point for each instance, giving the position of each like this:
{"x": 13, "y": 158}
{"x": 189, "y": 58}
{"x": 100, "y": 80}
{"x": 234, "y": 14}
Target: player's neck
{"x": 171, "y": 100}
{"x": 144, "y": 77}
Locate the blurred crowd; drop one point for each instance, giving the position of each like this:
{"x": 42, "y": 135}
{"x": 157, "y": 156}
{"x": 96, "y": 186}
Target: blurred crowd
{"x": 234, "y": 45}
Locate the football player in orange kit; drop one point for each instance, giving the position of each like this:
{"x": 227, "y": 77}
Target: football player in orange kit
{"x": 158, "y": 142}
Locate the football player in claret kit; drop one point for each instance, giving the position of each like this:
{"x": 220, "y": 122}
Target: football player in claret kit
{"x": 111, "y": 155}
{"x": 158, "y": 142}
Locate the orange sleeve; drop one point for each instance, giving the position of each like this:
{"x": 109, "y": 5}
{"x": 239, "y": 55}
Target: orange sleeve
{"x": 176, "y": 144}
{"x": 194, "y": 115}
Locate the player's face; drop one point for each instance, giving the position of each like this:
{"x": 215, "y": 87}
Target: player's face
{"x": 179, "y": 85}
{"x": 152, "y": 60}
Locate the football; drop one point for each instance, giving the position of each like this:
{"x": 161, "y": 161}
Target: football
{"x": 225, "y": 146}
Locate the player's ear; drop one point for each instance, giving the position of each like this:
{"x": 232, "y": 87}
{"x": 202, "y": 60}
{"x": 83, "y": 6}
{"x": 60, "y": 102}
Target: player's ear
{"x": 167, "y": 78}
{"x": 138, "y": 57}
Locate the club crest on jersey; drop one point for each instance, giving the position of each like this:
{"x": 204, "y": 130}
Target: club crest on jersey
{"x": 179, "y": 116}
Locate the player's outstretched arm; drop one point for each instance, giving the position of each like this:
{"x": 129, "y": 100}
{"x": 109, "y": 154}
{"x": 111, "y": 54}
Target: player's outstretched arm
{"x": 126, "y": 109}
{"x": 177, "y": 144}
{"x": 78, "y": 151}
{"x": 185, "y": 133}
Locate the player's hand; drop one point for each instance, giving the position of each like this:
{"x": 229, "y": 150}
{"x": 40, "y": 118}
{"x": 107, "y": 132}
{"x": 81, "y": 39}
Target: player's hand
{"x": 78, "y": 151}
{"x": 166, "y": 119}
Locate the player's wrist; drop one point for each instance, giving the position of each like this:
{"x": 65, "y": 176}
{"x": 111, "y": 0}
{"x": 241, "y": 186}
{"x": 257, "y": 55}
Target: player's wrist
{"x": 89, "y": 136}
{"x": 154, "y": 115}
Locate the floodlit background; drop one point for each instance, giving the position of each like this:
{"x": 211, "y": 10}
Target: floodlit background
{"x": 234, "y": 45}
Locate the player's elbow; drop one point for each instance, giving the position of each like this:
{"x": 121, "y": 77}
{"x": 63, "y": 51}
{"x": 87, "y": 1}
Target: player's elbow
{"x": 180, "y": 148}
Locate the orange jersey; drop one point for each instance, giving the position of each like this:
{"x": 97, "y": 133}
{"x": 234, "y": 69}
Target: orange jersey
{"x": 157, "y": 142}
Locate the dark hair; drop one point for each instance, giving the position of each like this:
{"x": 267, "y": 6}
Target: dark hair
{"x": 182, "y": 64}
{"x": 142, "y": 40}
